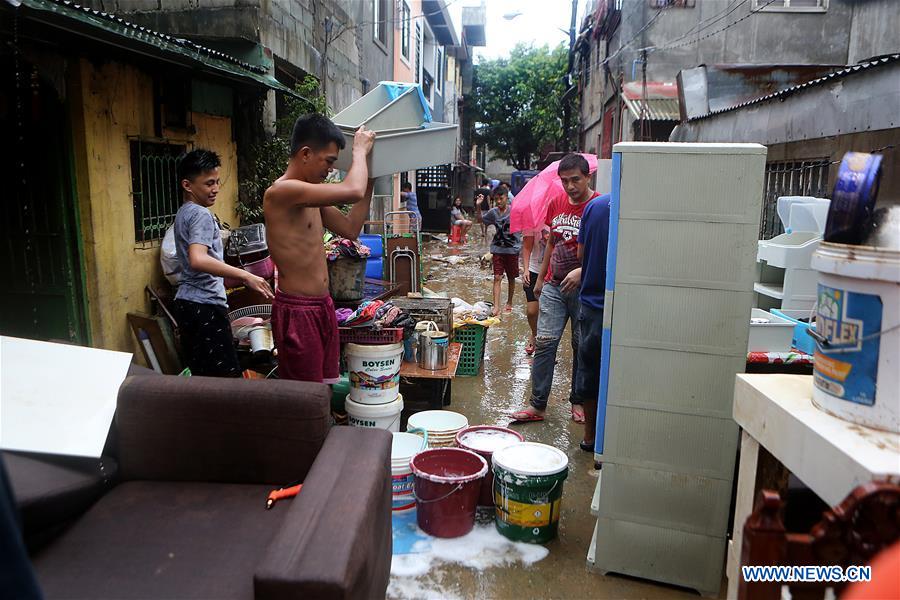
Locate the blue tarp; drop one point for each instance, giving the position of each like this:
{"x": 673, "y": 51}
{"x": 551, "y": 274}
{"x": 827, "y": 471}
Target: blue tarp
{"x": 395, "y": 88}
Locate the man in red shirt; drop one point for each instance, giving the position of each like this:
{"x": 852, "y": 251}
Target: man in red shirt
{"x": 557, "y": 287}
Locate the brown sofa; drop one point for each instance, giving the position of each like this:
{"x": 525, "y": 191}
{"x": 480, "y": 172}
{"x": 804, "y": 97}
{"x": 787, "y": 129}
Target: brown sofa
{"x": 185, "y": 516}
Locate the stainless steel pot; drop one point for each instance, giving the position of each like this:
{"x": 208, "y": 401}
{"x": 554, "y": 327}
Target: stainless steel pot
{"x": 433, "y": 346}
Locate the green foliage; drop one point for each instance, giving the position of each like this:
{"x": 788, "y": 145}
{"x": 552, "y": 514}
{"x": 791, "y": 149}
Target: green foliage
{"x": 271, "y": 156}
{"x": 517, "y": 104}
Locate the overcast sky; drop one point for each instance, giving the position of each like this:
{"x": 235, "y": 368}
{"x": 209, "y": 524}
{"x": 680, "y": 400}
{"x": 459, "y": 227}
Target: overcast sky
{"x": 539, "y": 23}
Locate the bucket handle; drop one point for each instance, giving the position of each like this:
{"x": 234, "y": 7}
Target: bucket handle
{"x": 823, "y": 343}
{"x": 429, "y": 325}
{"x": 417, "y": 430}
{"x": 450, "y": 493}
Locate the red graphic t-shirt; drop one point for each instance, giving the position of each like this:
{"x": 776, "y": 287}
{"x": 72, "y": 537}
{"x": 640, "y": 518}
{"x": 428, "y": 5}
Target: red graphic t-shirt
{"x": 564, "y": 220}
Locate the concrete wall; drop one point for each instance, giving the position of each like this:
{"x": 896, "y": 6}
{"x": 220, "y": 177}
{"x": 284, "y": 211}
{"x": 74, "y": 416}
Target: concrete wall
{"x": 294, "y": 30}
{"x": 110, "y": 103}
{"x": 874, "y": 29}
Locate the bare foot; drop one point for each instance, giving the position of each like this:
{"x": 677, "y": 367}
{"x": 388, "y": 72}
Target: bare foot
{"x": 495, "y": 312}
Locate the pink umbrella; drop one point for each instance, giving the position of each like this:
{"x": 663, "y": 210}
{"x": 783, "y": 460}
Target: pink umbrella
{"x": 529, "y": 208}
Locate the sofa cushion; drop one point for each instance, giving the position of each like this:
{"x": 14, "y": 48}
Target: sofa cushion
{"x": 51, "y": 490}
{"x": 163, "y": 540}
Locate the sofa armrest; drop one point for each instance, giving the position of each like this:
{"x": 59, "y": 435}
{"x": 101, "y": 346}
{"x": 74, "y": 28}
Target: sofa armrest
{"x": 336, "y": 538}
{"x": 176, "y": 428}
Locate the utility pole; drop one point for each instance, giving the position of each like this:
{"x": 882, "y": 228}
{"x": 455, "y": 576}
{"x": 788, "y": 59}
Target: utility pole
{"x": 567, "y": 99}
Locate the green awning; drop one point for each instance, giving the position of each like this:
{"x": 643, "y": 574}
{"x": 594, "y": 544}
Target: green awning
{"x": 109, "y": 29}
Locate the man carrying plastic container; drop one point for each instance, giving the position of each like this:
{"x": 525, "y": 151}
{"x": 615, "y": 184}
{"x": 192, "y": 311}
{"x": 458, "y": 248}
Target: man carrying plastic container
{"x": 298, "y": 207}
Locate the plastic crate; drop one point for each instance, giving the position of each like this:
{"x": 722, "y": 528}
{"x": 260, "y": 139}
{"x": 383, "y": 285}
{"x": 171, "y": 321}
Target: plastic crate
{"x": 364, "y": 335}
{"x": 472, "y": 338}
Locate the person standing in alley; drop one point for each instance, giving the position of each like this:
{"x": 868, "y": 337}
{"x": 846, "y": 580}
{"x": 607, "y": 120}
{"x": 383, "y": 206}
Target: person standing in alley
{"x": 298, "y": 206}
{"x": 412, "y": 205}
{"x": 505, "y": 247}
{"x": 593, "y": 238}
{"x": 483, "y": 204}
{"x": 203, "y": 324}
{"x": 557, "y": 287}
{"x": 533, "y": 244}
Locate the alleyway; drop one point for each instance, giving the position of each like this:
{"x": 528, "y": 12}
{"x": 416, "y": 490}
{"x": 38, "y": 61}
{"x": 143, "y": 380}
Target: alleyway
{"x": 489, "y": 399}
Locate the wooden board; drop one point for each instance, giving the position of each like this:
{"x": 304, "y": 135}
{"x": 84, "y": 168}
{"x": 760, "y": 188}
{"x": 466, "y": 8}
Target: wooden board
{"x": 161, "y": 339}
{"x": 412, "y": 370}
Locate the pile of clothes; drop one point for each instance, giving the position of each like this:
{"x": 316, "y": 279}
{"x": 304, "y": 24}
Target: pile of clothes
{"x": 376, "y": 314}
{"x": 339, "y": 247}
{"x": 472, "y": 314}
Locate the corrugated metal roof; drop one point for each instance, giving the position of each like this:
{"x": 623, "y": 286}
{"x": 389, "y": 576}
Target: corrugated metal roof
{"x": 661, "y": 103}
{"x": 840, "y": 74}
{"x": 71, "y": 16}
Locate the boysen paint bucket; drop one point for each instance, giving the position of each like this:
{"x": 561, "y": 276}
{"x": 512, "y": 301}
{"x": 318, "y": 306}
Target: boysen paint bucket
{"x": 403, "y": 448}
{"x": 857, "y": 361}
{"x": 528, "y": 487}
{"x": 374, "y": 372}
{"x": 441, "y": 425}
{"x": 378, "y": 416}
{"x": 447, "y": 484}
{"x": 484, "y": 440}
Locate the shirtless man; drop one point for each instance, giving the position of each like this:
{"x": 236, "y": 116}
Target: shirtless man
{"x": 297, "y": 207}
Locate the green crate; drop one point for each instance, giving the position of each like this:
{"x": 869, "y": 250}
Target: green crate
{"x": 472, "y": 338}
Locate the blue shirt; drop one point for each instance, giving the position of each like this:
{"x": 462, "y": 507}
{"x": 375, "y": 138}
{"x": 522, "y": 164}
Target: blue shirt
{"x": 594, "y": 236}
{"x": 194, "y": 224}
{"x": 412, "y": 202}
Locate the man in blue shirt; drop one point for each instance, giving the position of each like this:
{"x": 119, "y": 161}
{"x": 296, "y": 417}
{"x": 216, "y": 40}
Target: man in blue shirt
{"x": 412, "y": 205}
{"x": 593, "y": 238}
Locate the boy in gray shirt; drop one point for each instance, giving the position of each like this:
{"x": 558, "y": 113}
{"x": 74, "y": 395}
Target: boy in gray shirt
{"x": 200, "y": 301}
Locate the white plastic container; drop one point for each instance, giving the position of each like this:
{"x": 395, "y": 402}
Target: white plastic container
{"x": 857, "y": 368}
{"x": 774, "y": 335}
{"x": 399, "y": 150}
{"x": 374, "y": 372}
{"x": 378, "y": 416}
{"x": 441, "y": 425}
{"x": 403, "y": 448}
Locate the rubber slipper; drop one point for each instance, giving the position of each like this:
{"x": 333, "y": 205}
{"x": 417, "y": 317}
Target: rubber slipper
{"x": 524, "y": 416}
{"x": 577, "y": 417}
{"x": 586, "y": 446}
{"x": 529, "y": 348}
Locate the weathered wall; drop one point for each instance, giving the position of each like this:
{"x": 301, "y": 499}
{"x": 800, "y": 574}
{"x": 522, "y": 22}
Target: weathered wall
{"x": 110, "y": 103}
{"x": 294, "y": 30}
{"x": 874, "y": 29}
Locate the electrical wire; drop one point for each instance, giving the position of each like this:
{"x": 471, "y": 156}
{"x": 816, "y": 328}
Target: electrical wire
{"x": 709, "y": 22}
{"x": 634, "y": 37}
{"x": 671, "y": 46}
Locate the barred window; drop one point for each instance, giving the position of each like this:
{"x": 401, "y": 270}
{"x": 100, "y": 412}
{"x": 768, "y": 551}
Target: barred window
{"x": 155, "y": 191}
{"x": 790, "y": 178}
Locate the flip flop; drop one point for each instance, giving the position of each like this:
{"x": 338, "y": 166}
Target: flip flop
{"x": 525, "y": 416}
{"x": 586, "y": 446}
{"x": 578, "y": 418}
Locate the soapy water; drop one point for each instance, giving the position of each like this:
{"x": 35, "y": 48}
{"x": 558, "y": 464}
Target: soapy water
{"x": 489, "y": 440}
{"x": 481, "y": 549}
{"x": 534, "y": 457}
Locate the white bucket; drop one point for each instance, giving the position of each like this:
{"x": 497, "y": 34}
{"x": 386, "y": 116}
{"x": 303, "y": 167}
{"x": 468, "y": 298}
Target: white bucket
{"x": 857, "y": 367}
{"x": 374, "y": 372}
{"x": 441, "y": 425}
{"x": 379, "y": 416}
{"x": 261, "y": 339}
{"x": 403, "y": 448}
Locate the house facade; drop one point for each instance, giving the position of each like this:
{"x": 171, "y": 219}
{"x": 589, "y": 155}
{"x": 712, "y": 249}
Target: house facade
{"x": 86, "y": 216}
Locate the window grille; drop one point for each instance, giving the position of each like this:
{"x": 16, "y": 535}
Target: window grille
{"x": 437, "y": 176}
{"x": 672, "y": 3}
{"x": 790, "y": 5}
{"x": 155, "y": 192}
{"x": 418, "y": 68}
{"x": 790, "y": 178}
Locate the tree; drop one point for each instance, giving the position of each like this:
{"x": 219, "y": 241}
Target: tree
{"x": 271, "y": 156}
{"x": 517, "y": 102}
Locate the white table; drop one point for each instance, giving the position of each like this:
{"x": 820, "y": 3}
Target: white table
{"x": 830, "y": 455}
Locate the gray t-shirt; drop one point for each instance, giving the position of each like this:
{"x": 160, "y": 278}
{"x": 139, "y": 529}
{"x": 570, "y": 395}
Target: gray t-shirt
{"x": 504, "y": 242}
{"x": 194, "y": 224}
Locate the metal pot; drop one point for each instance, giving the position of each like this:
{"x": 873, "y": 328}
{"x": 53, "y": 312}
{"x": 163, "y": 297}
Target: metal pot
{"x": 433, "y": 346}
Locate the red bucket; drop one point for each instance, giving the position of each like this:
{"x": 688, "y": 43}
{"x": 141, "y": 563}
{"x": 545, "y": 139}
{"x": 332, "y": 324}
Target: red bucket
{"x": 448, "y": 481}
{"x": 484, "y": 440}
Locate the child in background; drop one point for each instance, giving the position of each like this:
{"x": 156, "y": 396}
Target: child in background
{"x": 533, "y": 244}
{"x": 505, "y": 248}
{"x": 458, "y": 217}
{"x": 483, "y": 204}
{"x": 200, "y": 301}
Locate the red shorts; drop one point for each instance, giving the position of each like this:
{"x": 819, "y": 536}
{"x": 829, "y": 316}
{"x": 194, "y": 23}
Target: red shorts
{"x": 306, "y": 336}
{"x": 505, "y": 263}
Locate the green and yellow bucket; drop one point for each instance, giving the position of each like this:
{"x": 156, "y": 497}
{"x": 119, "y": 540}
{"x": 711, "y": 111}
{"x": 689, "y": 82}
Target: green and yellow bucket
{"x": 528, "y": 488}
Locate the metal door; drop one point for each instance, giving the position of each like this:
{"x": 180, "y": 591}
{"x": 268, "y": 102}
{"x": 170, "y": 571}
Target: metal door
{"x": 42, "y": 294}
